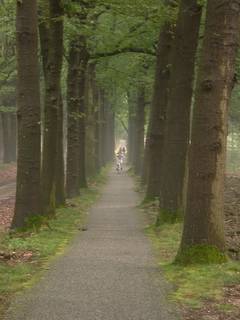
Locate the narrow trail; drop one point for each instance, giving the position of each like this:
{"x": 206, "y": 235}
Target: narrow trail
{"x": 108, "y": 273}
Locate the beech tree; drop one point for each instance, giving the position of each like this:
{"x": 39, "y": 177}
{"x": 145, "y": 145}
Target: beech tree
{"x": 158, "y": 110}
{"x": 52, "y": 102}
{"x": 178, "y": 111}
{"x": 139, "y": 130}
{"x": 28, "y": 115}
{"x": 72, "y": 177}
{"x": 203, "y": 234}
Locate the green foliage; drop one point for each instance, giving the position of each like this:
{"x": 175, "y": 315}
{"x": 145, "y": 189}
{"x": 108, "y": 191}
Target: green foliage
{"x": 7, "y": 55}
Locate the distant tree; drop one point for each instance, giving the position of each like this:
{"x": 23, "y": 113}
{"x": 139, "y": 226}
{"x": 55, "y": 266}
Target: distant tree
{"x": 203, "y": 235}
{"x": 28, "y": 116}
{"x": 139, "y": 130}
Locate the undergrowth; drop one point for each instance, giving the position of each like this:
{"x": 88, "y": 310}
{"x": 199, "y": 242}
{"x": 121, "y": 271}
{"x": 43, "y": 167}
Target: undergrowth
{"x": 193, "y": 284}
{"x": 43, "y": 244}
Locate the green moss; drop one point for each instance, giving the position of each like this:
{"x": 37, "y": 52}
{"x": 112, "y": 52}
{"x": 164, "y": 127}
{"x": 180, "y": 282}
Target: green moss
{"x": 169, "y": 217}
{"x": 200, "y": 254}
{"x": 193, "y": 283}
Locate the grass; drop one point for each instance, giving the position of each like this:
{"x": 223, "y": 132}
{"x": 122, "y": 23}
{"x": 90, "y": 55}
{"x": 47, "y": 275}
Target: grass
{"x": 193, "y": 284}
{"x": 45, "y": 244}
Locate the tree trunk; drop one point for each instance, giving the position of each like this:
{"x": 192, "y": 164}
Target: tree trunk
{"x": 52, "y": 94}
{"x": 72, "y": 179}
{"x": 203, "y": 235}
{"x": 131, "y": 128}
{"x": 28, "y": 115}
{"x": 158, "y": 111}
{"x": 60, "y": 166}
{"x": 139, "y": 133}
{"x": 109, "y": 132}
{"x": 102, "y": 128}
{"x": 13, "y": 136}
{"x": 6, "y": 137}
{"x": 179, "y": 109}
{"x": 83, "y": 56}
{"x": 96, "y": 103}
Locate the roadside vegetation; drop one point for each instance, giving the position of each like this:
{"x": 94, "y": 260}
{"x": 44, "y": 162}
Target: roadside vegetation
{"x": 25, "y": 255}
{"x": 202, "y": 291}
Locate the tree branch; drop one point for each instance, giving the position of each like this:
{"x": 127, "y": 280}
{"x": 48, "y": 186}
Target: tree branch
{"x": 115, "y": 52}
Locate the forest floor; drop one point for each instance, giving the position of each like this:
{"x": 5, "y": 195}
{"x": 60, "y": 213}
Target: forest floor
{"x": 7, "y": 194}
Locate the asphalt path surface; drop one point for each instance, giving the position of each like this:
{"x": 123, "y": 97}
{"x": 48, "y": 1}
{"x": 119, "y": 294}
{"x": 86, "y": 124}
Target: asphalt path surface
{"x": 108, "y": 273}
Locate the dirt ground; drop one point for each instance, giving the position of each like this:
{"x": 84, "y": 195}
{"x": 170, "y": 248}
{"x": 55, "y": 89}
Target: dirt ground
{"x": 7, "y": 194}
{"x": 232, "y": 215}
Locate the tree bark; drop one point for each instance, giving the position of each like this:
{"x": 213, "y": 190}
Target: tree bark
{"x": 60, "y": 164}
{"x": 28, "y": 115}
{"x": 179, "y": 108}
{"x": 139, "y": 131}
{"x": 158, "y": 110}
{"x": 72, "y": 179}
{"x": 52, "y": 96}
{"x": 6, "y": 137}
{"x": 204, "y": 221}
{"x": 102, "y": 128}
{"x": 82, "y": 73}
{"x": 13, "y": 136}
{"x": 131, "y": 128}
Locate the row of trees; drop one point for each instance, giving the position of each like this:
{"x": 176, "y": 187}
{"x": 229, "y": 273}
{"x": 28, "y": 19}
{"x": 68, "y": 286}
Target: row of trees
{"x": 185, "y": 153}
{"x": 105, "y": 67}
{"x": 70, "y": 94}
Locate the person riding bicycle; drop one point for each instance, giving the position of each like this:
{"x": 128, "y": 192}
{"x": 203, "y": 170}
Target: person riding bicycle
{"x": 119, "y": 157}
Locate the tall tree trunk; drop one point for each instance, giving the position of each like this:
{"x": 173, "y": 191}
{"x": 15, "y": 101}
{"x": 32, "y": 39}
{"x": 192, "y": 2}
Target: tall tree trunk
{"x": 139, "y": 134}
{"x": 158, "y": 110}
{"x": 179, "y": 108}
{"x": 90, "y": 122}
{"x": 72, "y": 179}
{"x": 6, "y": 137}
{"x": 203, "y": 235}
{"x": 131, "y": 128}
{"x": 83, "y": 56}
{"x": 96, "y": 103}
{"x": 109, "y": 132}
{"x": 60, "y": 165}
{"x": 102, "y": 128}
{"x": 28, "y": 115}
{"x": 52, "y": 94}
{"x": 13, "y": 136}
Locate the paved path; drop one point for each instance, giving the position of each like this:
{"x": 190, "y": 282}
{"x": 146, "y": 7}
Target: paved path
{"x": 108, "y": 273}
